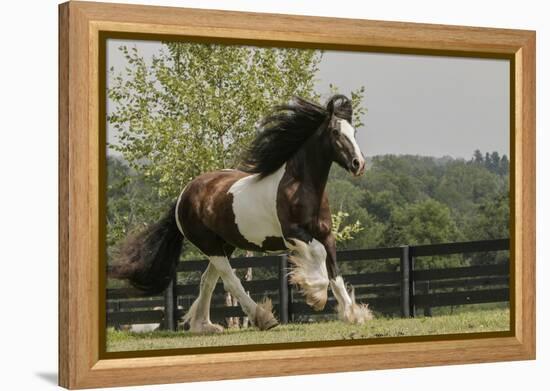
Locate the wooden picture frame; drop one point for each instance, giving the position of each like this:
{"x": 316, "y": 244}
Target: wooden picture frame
{"x": 81, "y": 24}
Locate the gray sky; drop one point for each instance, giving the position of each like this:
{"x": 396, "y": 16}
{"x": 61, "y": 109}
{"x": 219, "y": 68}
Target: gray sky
{"x": 425, "y": 105}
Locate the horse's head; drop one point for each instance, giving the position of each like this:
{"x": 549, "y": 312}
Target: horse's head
{"x": 341, "y": 136}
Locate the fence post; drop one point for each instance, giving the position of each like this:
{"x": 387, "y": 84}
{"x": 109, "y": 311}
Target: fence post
{"x": 427, "y": 308}
{"x": 405, "y": 283}
{"x": 283, "y": 290}
{"x": 412, "y": 286}
{"x": 170, "y": 304}
{"x": 117, "y": 309}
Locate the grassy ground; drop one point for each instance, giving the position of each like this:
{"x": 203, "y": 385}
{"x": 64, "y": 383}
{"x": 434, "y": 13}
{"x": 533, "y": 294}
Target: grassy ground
{"x": 463, "y": 322}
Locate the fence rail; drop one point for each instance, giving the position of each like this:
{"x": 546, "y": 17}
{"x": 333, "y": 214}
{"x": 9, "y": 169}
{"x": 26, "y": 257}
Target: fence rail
{"x": 401, "y": 291}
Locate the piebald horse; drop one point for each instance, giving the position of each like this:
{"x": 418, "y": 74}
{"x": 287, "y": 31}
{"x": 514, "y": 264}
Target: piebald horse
{"x": 275, "y": 202}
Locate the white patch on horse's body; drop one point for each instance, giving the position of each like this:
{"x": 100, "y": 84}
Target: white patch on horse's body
{"x": 177, "y": 210}
{"x": 348, "y": 309}
{"x": 255, "y": 206}
{"x": 349, "y": 132}
{"x": 310, "y": 270}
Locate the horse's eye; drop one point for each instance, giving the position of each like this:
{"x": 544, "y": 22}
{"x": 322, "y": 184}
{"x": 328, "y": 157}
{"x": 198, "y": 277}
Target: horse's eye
{"x": 335, "y": 131}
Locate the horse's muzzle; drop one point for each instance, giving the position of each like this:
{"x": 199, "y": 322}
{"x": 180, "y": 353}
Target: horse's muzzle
{"x": 357, "y": 166}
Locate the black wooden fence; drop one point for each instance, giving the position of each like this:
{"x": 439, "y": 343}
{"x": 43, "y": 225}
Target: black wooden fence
{"x": 401, "y": 289}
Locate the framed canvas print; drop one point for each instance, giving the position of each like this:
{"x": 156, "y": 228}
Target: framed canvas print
{"x": 298, "y": 194}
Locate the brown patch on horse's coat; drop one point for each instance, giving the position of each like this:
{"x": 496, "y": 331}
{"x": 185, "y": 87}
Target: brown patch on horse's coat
{"x": 273, "y": 243}
{"x": 206, "y": 216}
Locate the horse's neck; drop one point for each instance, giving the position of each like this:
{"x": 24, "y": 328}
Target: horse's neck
{"x": 311, "y": 164}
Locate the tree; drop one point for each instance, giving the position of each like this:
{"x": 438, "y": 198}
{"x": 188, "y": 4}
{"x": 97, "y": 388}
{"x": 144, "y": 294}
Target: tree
{"x": 478, "y": 157}
{"x": 492, "y": 220}
{"x": 504, "y": 165}
{"x": 343, "y": 233}
{"x": 127, "y": 195}
{"x": 196, "y": 106}
{"x": 495, "y": 162}
{"x": 424, "y": 222}
{"x": 464, "y": 185}
{"x": 347, "y": 201}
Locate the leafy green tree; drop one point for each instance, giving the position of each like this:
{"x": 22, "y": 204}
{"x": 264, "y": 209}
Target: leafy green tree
{"x": 341, "y": 231}
{"x": 127, "y": 199}
{"x": 196, "y": 106}
{"x": 492, "y": 221}
{"x": 424, "y": 222}
{"x": 495, "y": 162}
{"x": 348, "y": 198}
{"x": 380, "y": 204}
{"x": 464, "y": 185}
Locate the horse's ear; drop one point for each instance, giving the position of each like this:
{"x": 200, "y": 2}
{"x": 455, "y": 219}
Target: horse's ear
{"x": 341, "y": 107}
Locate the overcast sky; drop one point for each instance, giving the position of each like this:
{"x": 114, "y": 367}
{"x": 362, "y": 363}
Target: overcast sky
{"x": 424, "y": 105}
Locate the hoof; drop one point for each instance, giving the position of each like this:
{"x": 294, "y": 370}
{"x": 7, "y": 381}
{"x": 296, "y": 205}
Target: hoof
{"x": 264, "y": 319}
{"x": 268, "y": 323}
{"x": 354, "y": 313}
{"x": 204, "y": 328}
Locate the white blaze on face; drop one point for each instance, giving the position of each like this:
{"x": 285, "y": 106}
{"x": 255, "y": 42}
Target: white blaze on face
{"x": 255, "y": 206}
{"x": 348, "y": 131}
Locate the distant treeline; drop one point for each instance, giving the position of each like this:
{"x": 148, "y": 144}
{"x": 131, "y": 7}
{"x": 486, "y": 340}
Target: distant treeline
{"x": 409, "y": 199}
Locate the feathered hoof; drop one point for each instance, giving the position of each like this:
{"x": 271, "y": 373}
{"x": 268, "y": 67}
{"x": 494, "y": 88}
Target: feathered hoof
{"x": 354, "y": 313}
{"x": 264, "y": 319}
{"x": 203, "y": 328}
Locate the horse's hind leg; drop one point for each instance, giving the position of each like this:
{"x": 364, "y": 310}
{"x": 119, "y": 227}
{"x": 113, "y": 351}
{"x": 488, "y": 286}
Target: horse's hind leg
{"x": 260, "y": 314}
{"x": 198, "y": 316}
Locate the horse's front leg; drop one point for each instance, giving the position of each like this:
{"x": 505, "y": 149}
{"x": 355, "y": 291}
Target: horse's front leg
{"x": 348, "y": 309}
{"x": 309, "y": 269}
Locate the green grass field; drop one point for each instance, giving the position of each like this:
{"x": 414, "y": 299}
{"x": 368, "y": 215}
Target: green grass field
{"x": 462, "y": 322}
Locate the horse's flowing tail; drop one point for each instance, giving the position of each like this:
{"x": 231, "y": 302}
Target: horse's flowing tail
{"x": 148, "y": 259}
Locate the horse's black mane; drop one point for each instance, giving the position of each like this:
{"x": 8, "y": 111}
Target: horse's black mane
{"x": 286, "y": 129}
